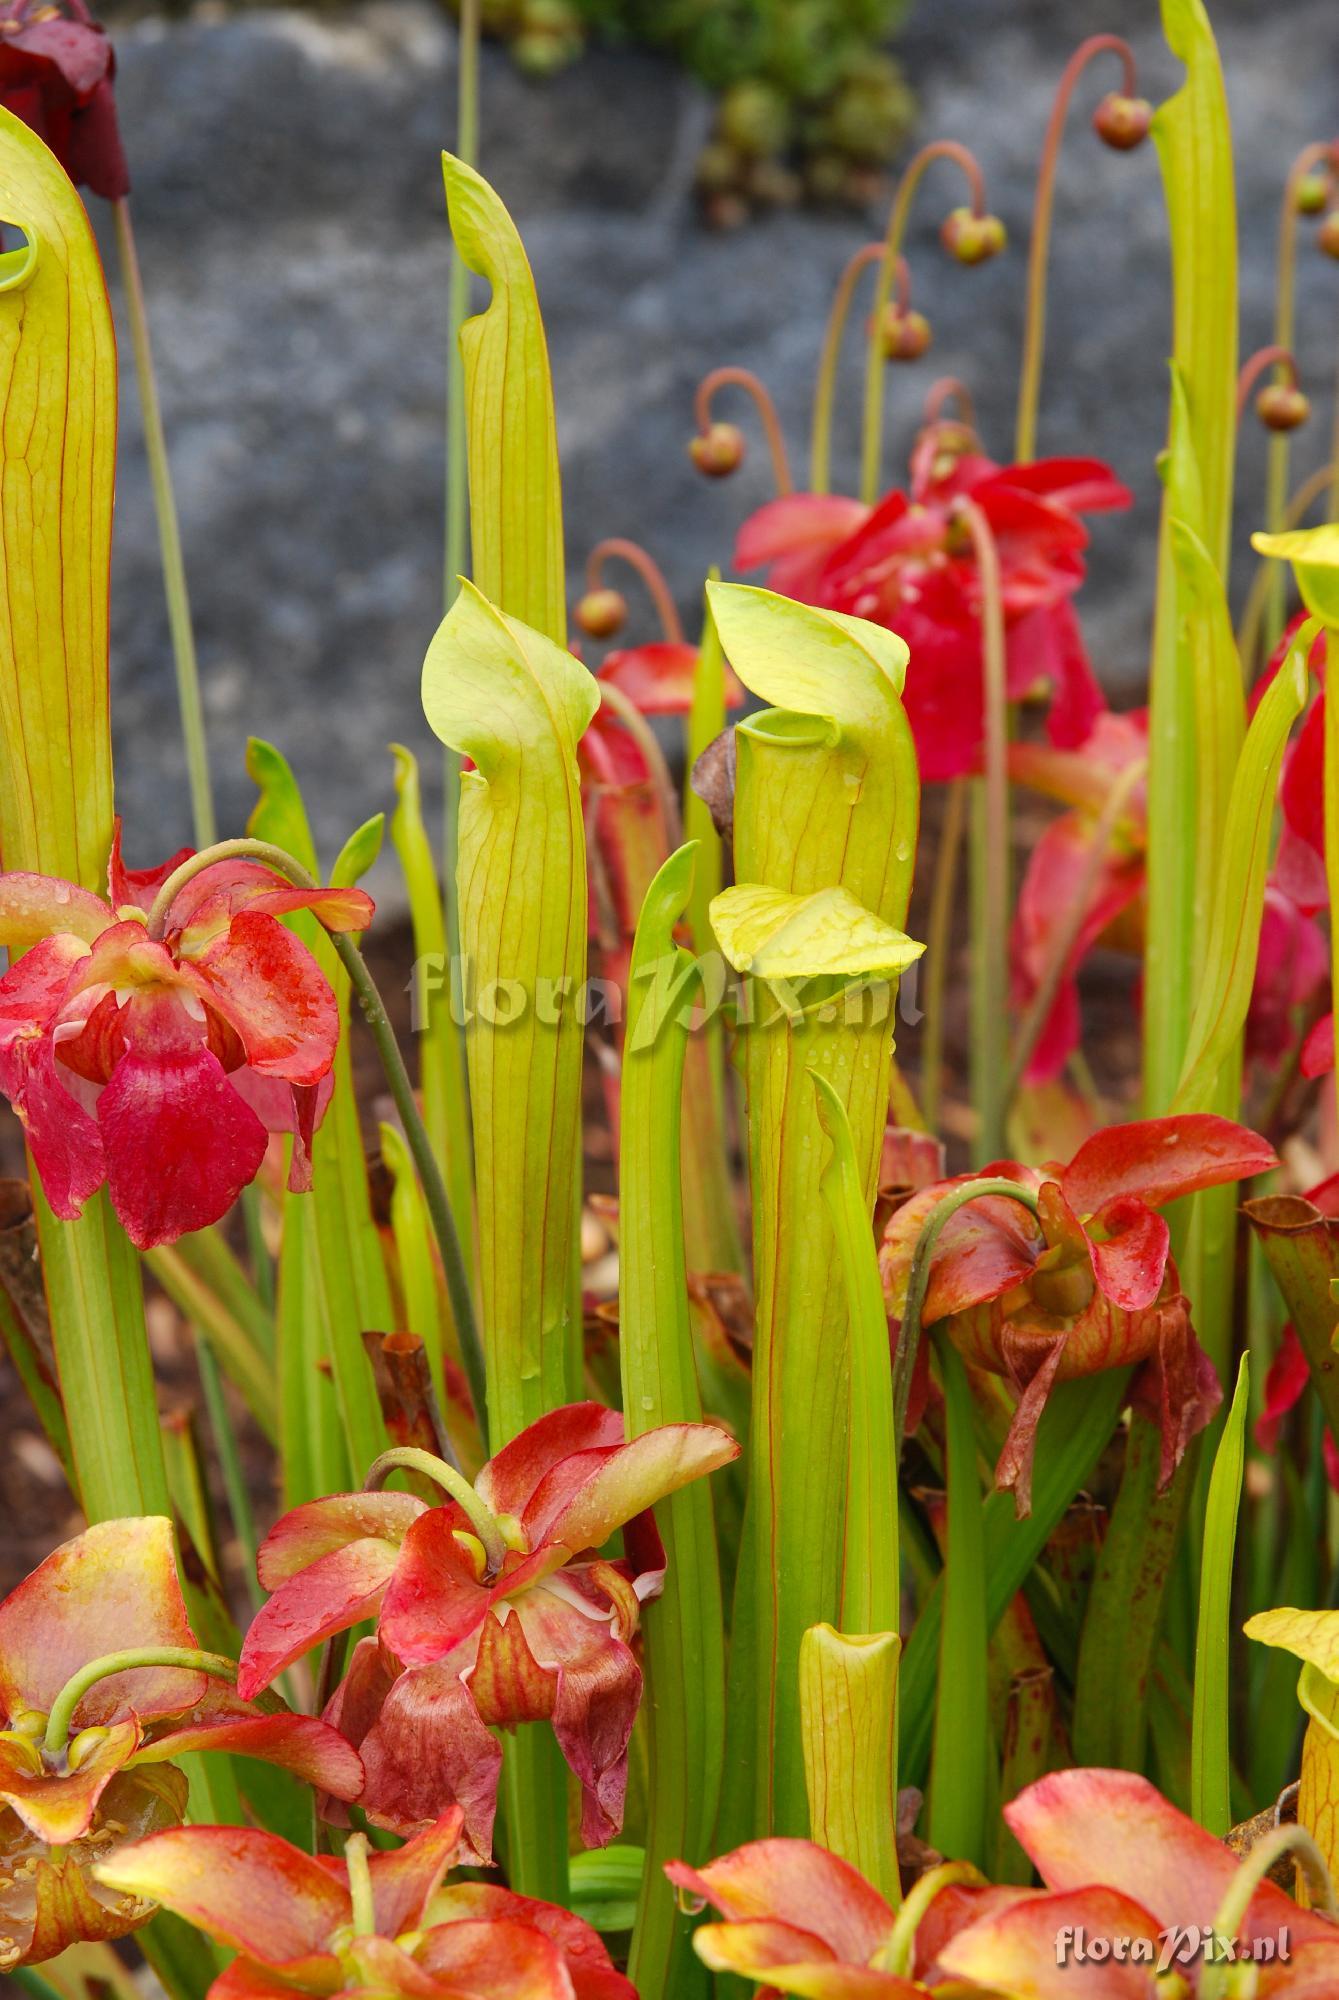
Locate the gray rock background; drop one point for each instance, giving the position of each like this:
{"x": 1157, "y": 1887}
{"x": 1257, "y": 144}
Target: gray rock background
{"x": 292, "y": 234}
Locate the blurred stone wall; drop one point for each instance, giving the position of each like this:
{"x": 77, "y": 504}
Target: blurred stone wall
{"x": 291, "y": 225}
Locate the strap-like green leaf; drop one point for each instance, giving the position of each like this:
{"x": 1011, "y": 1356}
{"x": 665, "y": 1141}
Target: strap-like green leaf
{"x": 1210, "y": 1763}
{"x": 1243, "y": 863}
{"x": 516, "y": 516}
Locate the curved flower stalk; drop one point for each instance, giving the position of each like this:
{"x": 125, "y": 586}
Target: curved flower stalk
{"x": 909, "y": 564}
{"x": 88, "y": 1750}
{"x": 138, "y": 1034}
{"x": 490, "y": 1613}
{"x": 826, "y": 815}
{"x": 373, "y": 1922}
{"x": 1089, "y": 1284}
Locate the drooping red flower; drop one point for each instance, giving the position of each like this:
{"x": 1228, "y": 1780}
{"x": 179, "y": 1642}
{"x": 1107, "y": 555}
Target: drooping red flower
{"x": 1118, "y": 1861}
{"x": 1093, "y": 857}
{"x": 56, "y": 71}
{"x": 546, "y": 1634}
{"x": 112, "y": 1589}
{"x": 908, "y": 563}
{"x": 292, "y": 1919}
{"x": 1087, "y": 1284}
{"x": 158, "y": 1062}
{"x": 1285, "y": 1384}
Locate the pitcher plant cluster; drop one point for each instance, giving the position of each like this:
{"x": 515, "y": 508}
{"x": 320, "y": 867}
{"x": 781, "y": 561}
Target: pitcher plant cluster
{"x": 748, "y": 1506}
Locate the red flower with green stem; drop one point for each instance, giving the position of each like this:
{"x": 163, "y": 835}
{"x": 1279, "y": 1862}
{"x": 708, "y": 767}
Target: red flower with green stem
{"x": 381, "y": 1922}
{"x": 908, "y": 563}
{"x": 1071, "y": 1274}
{"x": 153, "y": 1041}
{"x": 56, "y": 71}
{"x": 492, "y": 1610}
{"x": 103, "y": 1686}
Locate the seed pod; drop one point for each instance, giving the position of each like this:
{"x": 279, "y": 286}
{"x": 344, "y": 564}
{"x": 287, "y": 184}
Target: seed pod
{"x": 718, "y": 450}
{"x": 1122, "y": 122}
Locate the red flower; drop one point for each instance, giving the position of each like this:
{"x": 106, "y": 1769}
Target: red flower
{"x": 109, "y": 1590}
{"x": 1087, "y": 1284}
{"x": 292, "y": 1919}
{"x": 1285, "y": 1385}
{"x": 1118, "y": 1861}
{"x": 158, "y": 1063}
{"x": 464, "y": 1645}
{"x": 908, "y": 564}
{"x": 56, "y": 70}
{"x": 1066, "y": 868}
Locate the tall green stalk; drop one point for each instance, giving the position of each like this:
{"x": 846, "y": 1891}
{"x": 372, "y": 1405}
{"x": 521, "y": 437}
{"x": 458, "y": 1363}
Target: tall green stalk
{"x": 684, "y": 1707}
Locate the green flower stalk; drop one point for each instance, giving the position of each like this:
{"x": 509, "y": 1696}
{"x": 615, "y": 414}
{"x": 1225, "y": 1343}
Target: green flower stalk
{"x": 826, "y": 815}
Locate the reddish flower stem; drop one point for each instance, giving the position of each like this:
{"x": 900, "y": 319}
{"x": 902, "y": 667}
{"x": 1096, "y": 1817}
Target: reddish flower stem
{"x": 825, "y": 384}
{"x": 617, "y": 547}
{"x": 939, "y": 393}
{"x": 1254, "y": 367}
{"x": 990, "y": 854}
{"x": 872, "y": 437}
{"x": 744, "y": 378}
{"x": 1034, "y": 336}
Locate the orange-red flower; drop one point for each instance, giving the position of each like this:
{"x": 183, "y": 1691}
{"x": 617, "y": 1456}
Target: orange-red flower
{"x": 1086, "y": 1283}
{"x": 56, "y": 71}
{"x": 112, "y": 1589}
{"x": 543, "y": 1630}
{"x": 908, "y": 563}
{"x": 293, "y": 1920}
{"x": 157, "y": 1061}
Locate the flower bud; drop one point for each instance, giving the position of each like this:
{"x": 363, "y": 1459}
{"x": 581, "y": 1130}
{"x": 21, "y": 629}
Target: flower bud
{"x": 1311, "y": 193}
{"x": 972, "y": 238}
{"x": 601, "y": 613}
{"x": 904, "y": 335}
{"x": 718, "y": 450}
{"x": 1282, "y": 406}
{"x": 1327, "y": 236}
{"x": 1122, "y": 122}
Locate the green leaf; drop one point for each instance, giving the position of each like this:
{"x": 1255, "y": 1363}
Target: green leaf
{"x": 684, "y": 1631}
{"x": 359, "y": 852}
{"x": 1210, "y": 1759}
{"x": 780, "y": 936}
{"x": 848, "y": 1716}
{"x": 960, "y": 1772}
{"x": 516, "y": 703}
{"x": 516, "y": 519}
{"x": 871, "y": 1589}
{"x": 414, "y": 1252}
{"x": 1233, "y": 942}
{"x": 827, "y": 798}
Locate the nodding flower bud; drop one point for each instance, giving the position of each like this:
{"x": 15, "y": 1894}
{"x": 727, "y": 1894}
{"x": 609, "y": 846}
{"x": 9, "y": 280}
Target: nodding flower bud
{"x": 904, "y": 335}
{"x": 601, "y": 613}
{"x": 1310, "y": 193}
{"x": 1282, "y": 406}
{"x": 1122, "y": 122}
{"x": 972, "y": 238}
{"x": 718, "y": 450}
{"x": 1327, "y": 236}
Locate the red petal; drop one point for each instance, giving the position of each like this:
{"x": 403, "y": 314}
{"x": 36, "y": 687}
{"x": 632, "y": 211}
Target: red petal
{"x": 111, "y": 1588}
{"x": 33, "y": 907}
{"x": 312, "y": 1750}
{"x": 509, "y": 1479}
{"x": 1085, "y": 485}
{"x": 218, "y": 893}
{"x": 799, "y": 1883}
{"x": 1318, "y": 1049}
{"x": 404, "y": 1879}
{"x": 1177, "y": 1388}
{"x": 1020, "y": 1948}
{"x": 1131, "y": 1259}
{"x": 1160, "y": 1159}
{"x": 428, "y": 1750}
{"x": 328, "y": 1596}
{"x": 300, "y": 1537}
{"x": 248, "y": 1889}
{"x": 588, "y": 1963}
{"x": 136, "y": 888}
{"x": 793, "y": 536}
{"x": 624, "y": 1482}
{"x": 1032, "y": 1362}
{"x": 494, "y": 1961}
{"x": 658, "y": 679}
{"x": 1302, "y": 787}
{"x": 435, "y": 1599}
{"x": 64, "y": 1138}
{"x": 180, "y": 1143}
{"x": 1287, "y": 1379}
{"x": 1112, "y": 1828}
{"x": 267, "y": 986}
